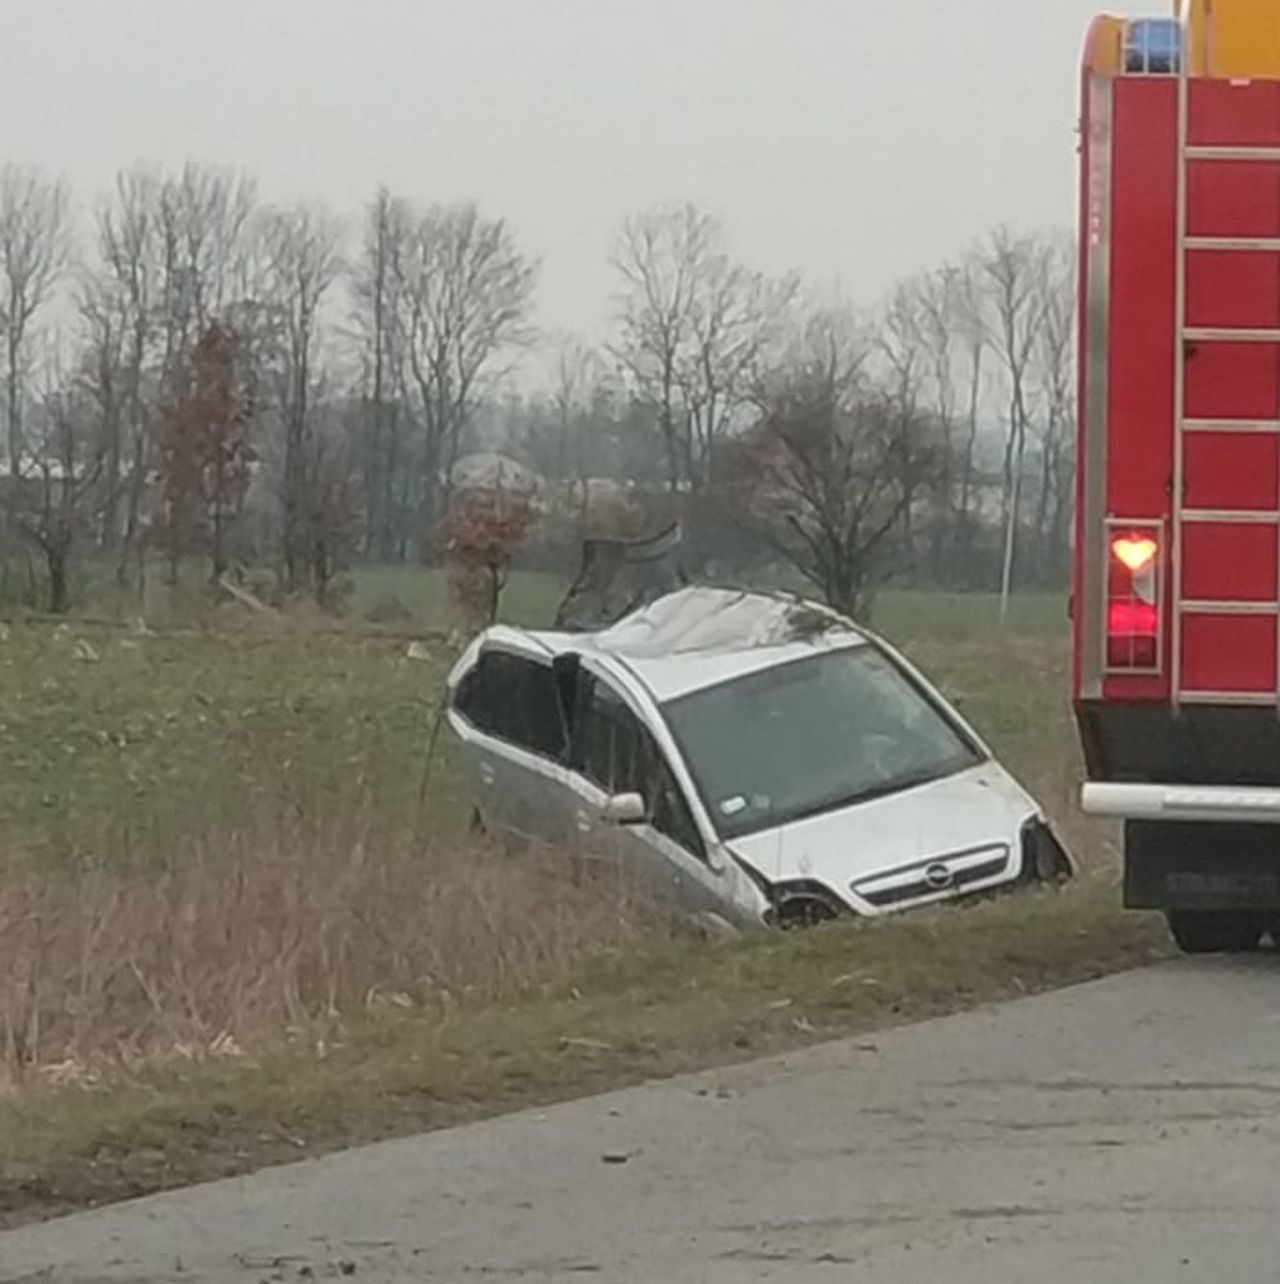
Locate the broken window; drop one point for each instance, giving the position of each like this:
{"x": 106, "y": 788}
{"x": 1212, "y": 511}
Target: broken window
{"x": 513, "y": 698}
{"x": 607, "y": 738}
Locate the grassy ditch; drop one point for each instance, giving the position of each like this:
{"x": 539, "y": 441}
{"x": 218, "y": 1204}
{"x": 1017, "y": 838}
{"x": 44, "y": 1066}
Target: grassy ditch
{"x": 235, "y": 930}
{"x": 626, "y": 1015}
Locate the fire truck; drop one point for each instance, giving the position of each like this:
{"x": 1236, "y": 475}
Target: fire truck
{"x": 1176, "y": 593}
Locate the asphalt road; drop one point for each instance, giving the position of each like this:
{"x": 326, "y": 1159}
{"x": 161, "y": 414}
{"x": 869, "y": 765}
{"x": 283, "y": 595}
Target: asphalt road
{"x": 1125, "y": 1131}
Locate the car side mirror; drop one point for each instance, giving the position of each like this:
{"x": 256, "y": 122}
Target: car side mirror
{"x": 626, "y": 809}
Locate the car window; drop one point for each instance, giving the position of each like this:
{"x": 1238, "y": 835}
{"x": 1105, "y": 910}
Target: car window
{"x": 513, "y": 698}
{"x": 607, "y": 738}
{"x": 669, "y": 809}
{"x": 617, "y": 752}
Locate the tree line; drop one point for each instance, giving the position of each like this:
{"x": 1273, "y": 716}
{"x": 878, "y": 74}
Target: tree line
{"x": 191, "y": 373}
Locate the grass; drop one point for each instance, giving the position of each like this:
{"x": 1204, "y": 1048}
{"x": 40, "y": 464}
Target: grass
{"x": 623, "y": 1017}
{"x": 113, "y": 743}
{"x": 531, "y": 600}
{"x": 117, "y": 741}
{"x": 231, "y": 932}
{"x": 417, "y": 597}
{"x": 255, "y": 935}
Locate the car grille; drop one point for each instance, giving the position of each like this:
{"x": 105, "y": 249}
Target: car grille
{"x": 925, "y": 880}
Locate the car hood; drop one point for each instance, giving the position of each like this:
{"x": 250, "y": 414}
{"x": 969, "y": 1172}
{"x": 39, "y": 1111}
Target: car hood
{"x": 982, "y": 807}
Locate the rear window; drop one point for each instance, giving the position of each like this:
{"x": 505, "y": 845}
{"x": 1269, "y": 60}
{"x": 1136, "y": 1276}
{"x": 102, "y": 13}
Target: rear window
{"x": 513, "y": 698}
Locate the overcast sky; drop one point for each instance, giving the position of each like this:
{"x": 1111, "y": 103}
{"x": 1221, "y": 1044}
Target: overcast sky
{"x": 852, "y": 139}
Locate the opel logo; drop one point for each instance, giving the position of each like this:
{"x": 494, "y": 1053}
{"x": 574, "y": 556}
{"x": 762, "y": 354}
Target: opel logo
{"x": 939, "y": 877}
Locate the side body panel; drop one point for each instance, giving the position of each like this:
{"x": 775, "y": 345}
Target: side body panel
{"x": 715, "y": 886}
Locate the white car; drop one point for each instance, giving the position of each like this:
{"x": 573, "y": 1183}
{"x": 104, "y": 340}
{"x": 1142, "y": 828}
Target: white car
{"x": 751, "y": 758}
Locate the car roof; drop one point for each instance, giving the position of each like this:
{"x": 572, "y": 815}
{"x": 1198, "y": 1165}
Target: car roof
{"x": 699, "y": 637}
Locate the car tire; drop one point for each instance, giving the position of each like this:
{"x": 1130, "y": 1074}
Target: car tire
{"x": 802, "y": 912}
{"x": 1215, "y": 931}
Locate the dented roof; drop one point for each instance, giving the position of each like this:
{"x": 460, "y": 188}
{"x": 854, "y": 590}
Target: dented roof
{"x": 699, "y": 636}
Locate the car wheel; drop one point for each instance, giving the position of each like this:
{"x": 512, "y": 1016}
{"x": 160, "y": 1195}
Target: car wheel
{"x": 1215, "y": 931}
{"x": 801, "y": 912}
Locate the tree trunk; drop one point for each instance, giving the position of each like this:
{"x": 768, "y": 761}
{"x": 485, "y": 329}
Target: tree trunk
{"x": 1011, "y": 525}
{"x": 56, "y": 559}
{"x": 137, "y": 484}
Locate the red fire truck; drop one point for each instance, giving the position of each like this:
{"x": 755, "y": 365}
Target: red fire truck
{"x": 1176, "y": 595}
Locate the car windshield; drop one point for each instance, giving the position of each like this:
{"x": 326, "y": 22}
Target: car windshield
{"x": 812, "y": 736}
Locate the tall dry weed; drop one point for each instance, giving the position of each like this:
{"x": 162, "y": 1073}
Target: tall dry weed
{"x": 246, "y": 939}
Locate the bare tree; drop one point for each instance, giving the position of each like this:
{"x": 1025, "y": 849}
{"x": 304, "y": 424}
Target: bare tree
{"x": 1013, "y": 268}
{"x": 971, "y": 333}
{"x": 1053, "y": 377}
{"x": 174, "y": 254}
{"x": 104, "y": 327}
{"x": 579, "y": 385}
{"x": 821, "y": 476}
{"x": 55, "y": 492}
{"x": 34, "y": 249}
{"x": 118, "y": 305}
{"x": 735, "y": 317}
{"x": 693, "y": 328}
{"x": 467, "y": 294}
{"x": 332, "y": 514}
{"x": 206, "y": 217}
{"x": 903, "y": 350}
{"x": 380, "y": 323}
{"x": 301, "y": 247}
{"x": 937, "y": 301}
{"x": 576, "y": 372}
{"x": 663, "y": 257}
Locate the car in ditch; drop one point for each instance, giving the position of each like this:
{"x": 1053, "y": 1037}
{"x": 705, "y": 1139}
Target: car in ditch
{"x": 748, "y": 758}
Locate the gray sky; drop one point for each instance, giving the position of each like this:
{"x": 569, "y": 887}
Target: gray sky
{"x": 852, "y": 139}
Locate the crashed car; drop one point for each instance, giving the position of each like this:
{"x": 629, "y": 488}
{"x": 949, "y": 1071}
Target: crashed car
{"x": 749, "y": 758}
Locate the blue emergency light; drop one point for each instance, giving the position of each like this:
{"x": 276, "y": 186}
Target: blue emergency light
{"x": 1153, "y": 47}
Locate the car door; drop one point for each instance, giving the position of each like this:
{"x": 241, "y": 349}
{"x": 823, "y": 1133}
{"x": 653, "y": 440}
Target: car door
{"x": 666, "y": 858}
{"x": 517, "y": 741}
{"x": 704, "y": 880}
{"x": 604, "y": 760}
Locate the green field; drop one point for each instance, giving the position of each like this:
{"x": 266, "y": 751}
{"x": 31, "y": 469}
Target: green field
{"x": 115, "y": 741}
{"x": 531, "y": 599}
{"x": 413, "y": 596}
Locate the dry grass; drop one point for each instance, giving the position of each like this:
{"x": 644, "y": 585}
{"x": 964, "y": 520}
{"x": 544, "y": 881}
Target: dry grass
{"x": 245, "y": 941}
{"x": 216, "y": 845}
{"x": 627, "y": 1014}
{"x": 220, "y": 942}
